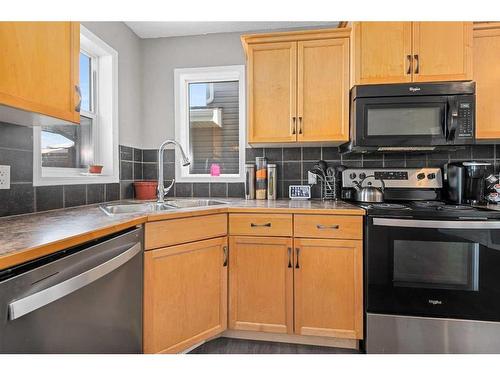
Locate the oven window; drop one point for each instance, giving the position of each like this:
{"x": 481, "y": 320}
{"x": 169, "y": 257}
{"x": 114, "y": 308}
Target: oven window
{"x": 436, "y": 265}
{"x": 403, "y": 121}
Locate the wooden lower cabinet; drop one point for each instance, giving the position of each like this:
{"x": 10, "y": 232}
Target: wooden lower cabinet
{"x": 185, "y": 295}
{"x": 328, "y": 288}
{"x": 261, "y": 284}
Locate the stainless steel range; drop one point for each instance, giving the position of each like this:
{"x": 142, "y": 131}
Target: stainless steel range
{"x": 432, "y": 269}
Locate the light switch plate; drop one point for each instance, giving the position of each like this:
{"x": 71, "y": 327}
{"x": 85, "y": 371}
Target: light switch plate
{"x": 4, "y": 176}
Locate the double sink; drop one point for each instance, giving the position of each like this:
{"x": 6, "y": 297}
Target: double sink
{"x": 131, "y": 207}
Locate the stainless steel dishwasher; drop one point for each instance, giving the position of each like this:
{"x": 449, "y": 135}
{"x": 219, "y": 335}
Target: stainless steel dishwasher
{"x": 86, "y": 299}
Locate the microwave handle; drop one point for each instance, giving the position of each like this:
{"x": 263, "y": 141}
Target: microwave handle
{"x": 452, "y": 119}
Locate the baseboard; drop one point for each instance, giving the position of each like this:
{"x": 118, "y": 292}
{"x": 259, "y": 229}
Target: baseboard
{"x": 293, "y": 339}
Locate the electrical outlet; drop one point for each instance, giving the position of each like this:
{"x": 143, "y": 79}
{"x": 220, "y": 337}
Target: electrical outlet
{"x": 4, "y": 176}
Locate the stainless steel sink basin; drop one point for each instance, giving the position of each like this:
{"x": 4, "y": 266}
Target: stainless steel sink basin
{"x": 147, "y": 207}
{"x": 187, "y": 203}
{"x": 134, "y": 207}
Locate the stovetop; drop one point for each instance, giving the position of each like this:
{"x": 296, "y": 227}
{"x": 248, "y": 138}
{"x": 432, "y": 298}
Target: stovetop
{"x": 429, "y": 210}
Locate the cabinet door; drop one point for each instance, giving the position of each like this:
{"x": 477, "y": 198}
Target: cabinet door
{"x": 442, "y": 51}
{"x": 328, "y": 288}
{"x": 185, "y": 295}
{"x": 272, "y": 92}
{"x": 39, "y": 68}
{"x": 261, "y": 284}
{"x": 323, "y": 90}
{"x": 487, "y": 77}
{"x": 382, "y": 52}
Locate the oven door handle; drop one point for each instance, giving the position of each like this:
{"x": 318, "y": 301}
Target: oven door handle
{"x": 436, "y": 224}
{"x": 42, "y": 298}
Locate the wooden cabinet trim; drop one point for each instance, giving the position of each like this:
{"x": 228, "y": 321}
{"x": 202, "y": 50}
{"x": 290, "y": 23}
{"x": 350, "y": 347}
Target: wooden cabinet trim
{"x": 67, "y": 113}
{"x": 176, "y": 231}
{"x": 340, "y": 129}
{"x": 357, "y": 248}
{"x": 487, "y": 76}
{"x": 288, "y": 133}
{"x": 234, "y": 319}
{"x": 152, "y": 329}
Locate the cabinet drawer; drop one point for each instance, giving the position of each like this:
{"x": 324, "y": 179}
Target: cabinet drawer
{"x": 329, "y": 226}
{"x": 260, "y": 224}
{"x": 177, "y": 231}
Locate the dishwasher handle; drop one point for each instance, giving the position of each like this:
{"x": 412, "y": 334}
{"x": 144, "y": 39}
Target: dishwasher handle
{"x": 42, "y": 298}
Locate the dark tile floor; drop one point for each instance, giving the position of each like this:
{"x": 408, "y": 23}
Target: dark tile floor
{"x": 236, "y": 346}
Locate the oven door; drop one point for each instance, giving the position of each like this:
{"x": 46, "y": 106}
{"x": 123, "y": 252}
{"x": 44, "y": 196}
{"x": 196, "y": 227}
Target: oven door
{"x": 433, "y": 268}
{"x": 401, "y": 121}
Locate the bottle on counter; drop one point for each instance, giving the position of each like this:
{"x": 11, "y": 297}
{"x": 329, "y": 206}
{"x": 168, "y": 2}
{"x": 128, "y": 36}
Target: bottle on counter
{"x": 250, "y": 181}
{"x": 260, "y": 177}
{"x": 271, "y": 181}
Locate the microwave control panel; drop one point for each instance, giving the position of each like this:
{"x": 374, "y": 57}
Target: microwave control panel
{"x": 465, "y": 120}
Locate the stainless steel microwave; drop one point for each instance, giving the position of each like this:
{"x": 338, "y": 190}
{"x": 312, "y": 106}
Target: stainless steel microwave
{"x": 411, "y": 116}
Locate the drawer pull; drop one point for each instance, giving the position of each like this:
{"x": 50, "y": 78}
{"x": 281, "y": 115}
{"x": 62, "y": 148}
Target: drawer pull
{"x": 290, "y": 257}
{"x": 297, "y": 253}
{"x": 321, "y": 226}
{"x": 253, "y": 225}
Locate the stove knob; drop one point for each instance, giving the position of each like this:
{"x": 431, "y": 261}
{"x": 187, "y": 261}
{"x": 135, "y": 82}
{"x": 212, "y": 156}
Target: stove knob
{"x": 421, "y": 176}
{"x": 431, "y": 176}
{"x": 352, "y": 176}
{"x": 362, "y": 176}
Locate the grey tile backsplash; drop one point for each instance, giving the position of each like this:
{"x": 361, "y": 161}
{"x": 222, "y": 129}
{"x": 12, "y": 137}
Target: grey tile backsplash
{"x": 16, "y": 150}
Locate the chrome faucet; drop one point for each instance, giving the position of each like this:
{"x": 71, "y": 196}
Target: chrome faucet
{"x": 162, "y": 190}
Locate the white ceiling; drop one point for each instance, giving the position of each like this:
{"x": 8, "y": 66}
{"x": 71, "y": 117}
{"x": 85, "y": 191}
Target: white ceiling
{"x": 169, "y": 29}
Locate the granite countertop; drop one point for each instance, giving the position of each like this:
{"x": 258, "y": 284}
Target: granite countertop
{"x": 26, "y": 237}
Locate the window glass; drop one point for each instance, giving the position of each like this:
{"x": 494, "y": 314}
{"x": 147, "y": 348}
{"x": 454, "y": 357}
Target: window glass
{"x": 85, "y": 82}
{"x": 67, "y": 146}
{"x": 214, "y": 127}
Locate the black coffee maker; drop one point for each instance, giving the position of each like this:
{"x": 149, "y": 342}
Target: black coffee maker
{"x": 466, "y": 181}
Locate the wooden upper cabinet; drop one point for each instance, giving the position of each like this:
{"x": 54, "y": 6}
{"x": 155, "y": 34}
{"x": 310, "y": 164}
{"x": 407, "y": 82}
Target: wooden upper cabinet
{"x": 487, "y": 77}
{"x": 298, "y": 86}
{"x": 396, "y": 52}
{"x": 272, "y": 92}
{"x": 39, "y": 67}
{"x": 382, "y": 52}
{"x": 261, "y": 284}
{"x": 185, "y": 295}
{"x": 328, "y": 277}
{"x": 442, "y": 51}
{"x": 323, "y": 90}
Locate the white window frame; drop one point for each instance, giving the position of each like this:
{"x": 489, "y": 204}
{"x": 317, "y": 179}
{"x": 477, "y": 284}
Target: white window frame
{"x": 182, "y": 78}
{"x": 105, "y": 121}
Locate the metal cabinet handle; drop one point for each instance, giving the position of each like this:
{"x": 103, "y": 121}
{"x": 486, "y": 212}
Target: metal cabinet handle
{"x": 79, "y": 92}
{"x": 253, "y": 225}
{"x": 297, "y": 253}
{"x": 300, "y": 124}
{"x": 42, "y": 298}
{"x": 294, "y": 125}
{"x": 224, "y": 264}
{"x": 410, "y": 63}
{"x": 290, "y": 257}
{"x": 321, "y": 226}
{"x": 417, "y": 65}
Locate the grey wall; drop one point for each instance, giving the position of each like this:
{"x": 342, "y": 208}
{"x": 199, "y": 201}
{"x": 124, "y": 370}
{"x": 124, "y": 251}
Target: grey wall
{"x": 160, "y": 57}
{"x": 128, "y": 46}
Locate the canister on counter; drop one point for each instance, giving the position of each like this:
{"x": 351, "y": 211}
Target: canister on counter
{"x": 260, "y": 177}
{"x": 250, "y": 181}
{"x": 271, "y": 181}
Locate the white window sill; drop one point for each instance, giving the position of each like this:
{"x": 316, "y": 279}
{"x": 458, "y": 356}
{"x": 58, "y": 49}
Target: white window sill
{"x": 76, "y": 180}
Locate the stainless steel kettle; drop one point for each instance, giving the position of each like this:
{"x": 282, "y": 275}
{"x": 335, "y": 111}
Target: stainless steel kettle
{"x": 370, "y": 193}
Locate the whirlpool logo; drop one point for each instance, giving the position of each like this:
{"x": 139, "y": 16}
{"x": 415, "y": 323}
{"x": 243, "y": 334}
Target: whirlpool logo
{"x": 414, "y": 89}
{"x": 435, "y": 302}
